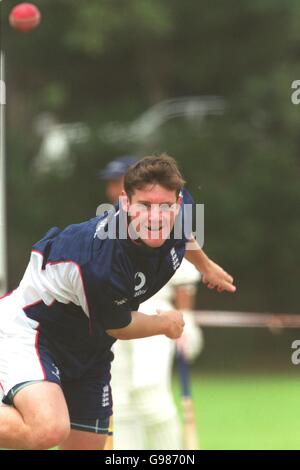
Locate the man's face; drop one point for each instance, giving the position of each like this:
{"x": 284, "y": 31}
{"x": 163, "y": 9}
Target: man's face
{"x": 152, "y": 211}
{"x": 114, "y": 189}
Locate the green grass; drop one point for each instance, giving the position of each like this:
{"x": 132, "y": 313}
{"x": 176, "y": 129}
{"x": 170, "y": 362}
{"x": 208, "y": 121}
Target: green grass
{"x": 246, "y": 411}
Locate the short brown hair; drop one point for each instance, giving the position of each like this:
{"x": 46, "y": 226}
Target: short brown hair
{"x": 160, "y": 169}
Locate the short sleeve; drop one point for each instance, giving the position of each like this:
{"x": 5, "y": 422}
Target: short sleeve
{"x": 111, "y": 311}
{"x": 107, "y": 308}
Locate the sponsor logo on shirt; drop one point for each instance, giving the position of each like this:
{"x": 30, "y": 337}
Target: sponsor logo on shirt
{"x": 140, "y": 292}
{"x": 140, "y": 281}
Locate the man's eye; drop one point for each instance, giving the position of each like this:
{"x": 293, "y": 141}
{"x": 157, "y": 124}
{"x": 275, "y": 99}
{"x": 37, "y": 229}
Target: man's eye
{"x": 166, "y": 208}
{"x": 141, "y": 207}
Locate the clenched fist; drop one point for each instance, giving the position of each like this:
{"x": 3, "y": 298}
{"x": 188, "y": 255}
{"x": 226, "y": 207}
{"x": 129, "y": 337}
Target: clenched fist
{"x": 174, "y": 323}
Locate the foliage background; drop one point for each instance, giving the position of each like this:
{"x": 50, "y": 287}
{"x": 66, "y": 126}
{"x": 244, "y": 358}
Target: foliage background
{"x": 105, "y": 61}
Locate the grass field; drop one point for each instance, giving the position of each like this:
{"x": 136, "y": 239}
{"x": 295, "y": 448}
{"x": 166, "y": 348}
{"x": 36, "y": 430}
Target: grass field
{"x": 246, "y": 411}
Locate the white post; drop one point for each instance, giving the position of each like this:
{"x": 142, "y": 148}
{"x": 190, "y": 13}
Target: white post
{"x": 3, "y": 249}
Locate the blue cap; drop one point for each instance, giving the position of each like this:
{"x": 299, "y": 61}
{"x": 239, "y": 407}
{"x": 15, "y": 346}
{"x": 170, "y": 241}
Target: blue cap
{"x": 117, "y": 168}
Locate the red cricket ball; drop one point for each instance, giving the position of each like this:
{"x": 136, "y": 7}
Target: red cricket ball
{"x": 24, "y": 17}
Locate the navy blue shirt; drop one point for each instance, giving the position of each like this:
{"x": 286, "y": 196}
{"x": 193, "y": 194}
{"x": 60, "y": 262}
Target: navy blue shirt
{"x": 116, "y": 276}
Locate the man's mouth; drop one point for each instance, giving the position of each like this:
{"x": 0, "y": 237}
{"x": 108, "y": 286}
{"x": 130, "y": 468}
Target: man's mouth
{"x": 154, "y": 229}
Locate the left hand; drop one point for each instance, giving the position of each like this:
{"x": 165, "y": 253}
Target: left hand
{"x": 215, "y": 277}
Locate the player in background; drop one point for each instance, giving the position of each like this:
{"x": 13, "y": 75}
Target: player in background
{"x": 145, "y": 415}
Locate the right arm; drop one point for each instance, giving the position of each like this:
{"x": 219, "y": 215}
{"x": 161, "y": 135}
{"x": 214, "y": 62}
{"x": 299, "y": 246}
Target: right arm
{"x": 212, "y": 274}
{"x": 169, "y": 324}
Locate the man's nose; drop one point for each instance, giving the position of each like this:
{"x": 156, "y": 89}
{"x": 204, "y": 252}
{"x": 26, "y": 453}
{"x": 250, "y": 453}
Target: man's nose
{"x": 155, "y": 213}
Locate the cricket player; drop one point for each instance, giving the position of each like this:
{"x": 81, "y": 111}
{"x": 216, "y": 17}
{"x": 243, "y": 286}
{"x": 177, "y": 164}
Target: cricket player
{"x": 80, "y": 292}
{"x": 145, "y": 415}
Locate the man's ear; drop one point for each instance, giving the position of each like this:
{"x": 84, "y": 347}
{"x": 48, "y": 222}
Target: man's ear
{"x": 124, "y": 201}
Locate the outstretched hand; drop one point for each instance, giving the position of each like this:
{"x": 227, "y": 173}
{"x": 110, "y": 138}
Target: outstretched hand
{"x": 216, "y": 278}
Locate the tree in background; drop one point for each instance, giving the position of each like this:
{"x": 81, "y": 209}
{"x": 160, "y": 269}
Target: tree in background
{"x": 102, "y": 61}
